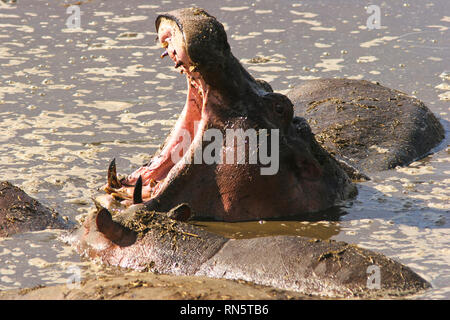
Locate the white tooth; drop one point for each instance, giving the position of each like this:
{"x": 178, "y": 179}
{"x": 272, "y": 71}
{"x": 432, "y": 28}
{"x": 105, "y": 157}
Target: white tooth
{"x": 165, "y": 53}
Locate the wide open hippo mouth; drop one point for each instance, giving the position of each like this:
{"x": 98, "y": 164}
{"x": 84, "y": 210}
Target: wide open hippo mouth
{"x": 190, "y": 126}
{"x": 222, "y": 96}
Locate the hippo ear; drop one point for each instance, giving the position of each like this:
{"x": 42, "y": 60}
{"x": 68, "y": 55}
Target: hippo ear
{"x": 308, "y": 168}
{"x": 113, "y": 230}
{"x": 104, "y": 222}
{"x": 137, "y": 193}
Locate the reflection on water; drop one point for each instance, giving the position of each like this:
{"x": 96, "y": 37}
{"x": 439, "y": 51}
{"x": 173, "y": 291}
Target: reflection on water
{"x": 71, "y": 100}
{"x": 244, "y": 230}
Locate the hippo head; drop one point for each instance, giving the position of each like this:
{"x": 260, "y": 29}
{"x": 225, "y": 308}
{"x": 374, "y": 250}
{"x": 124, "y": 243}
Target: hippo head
{"x": 236, "y": 151}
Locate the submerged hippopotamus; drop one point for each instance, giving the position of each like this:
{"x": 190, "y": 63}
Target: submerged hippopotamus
{"x": 366, "y": 126}
{"x": 21, "y": 213}
{"x": 282, "y": 171}
{"x": 146, "y": 240}
{"x": 133, "y": 232}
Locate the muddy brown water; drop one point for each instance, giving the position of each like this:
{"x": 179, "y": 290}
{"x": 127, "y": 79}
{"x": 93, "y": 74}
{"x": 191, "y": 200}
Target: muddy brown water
{"x": 73, "y": 99}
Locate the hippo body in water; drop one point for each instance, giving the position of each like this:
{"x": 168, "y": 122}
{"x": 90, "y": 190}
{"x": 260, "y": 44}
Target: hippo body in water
{"x": 146, "y": 240}
{"x": 21, "y": 213}
{"x": 224, "y": 99}
{"x": 365, "y": 125}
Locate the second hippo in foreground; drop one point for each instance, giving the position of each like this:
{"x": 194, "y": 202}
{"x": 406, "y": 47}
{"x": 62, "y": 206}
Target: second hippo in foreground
{"x": 366, "y": 126}
{"x": 146, "y": 240}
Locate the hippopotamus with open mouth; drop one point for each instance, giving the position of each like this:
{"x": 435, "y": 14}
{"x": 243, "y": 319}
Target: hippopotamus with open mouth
{"x": 293, "y": 175}
{"x": 136, "y": 233}
{"x": 366, "y": 126}
{"x": 145, "y": 240}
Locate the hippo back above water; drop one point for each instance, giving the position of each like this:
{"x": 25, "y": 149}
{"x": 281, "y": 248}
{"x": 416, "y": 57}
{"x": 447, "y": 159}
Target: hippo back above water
{"x": 21, "y": 213}
{"x": 366, "y": 125}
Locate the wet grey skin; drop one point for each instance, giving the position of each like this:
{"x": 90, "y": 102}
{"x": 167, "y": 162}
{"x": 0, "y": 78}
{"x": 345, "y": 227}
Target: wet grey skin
{"x": 365, "y": 125}
{"x": 150, "y": 241}
{"x": 21, "y": 213}
{"x": 223, "y": 95}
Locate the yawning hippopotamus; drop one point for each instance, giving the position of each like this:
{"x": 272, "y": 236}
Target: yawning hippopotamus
{"x": 223, "y": 97}
{"x": 146, "y": 240}
{"x": 21, "y": 213}
{"x": 284, "y": 172}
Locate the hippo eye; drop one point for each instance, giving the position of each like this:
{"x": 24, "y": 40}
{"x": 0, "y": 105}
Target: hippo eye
{"x": 279, "y": 109}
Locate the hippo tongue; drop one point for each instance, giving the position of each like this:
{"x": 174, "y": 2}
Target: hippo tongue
{"x": 187, "y": 132}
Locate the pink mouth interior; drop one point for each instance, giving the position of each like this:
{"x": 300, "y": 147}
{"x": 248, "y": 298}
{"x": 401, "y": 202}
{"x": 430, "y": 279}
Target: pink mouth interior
{"x": 154, "y": 174}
